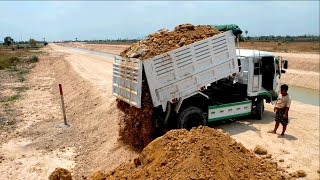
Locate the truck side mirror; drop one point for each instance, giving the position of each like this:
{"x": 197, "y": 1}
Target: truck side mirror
{"x": 283, "y": 71}
{"x": 285, "y": 64}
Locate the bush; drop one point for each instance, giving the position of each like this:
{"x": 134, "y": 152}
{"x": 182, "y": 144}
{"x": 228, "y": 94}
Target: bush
{"x": 33, "y": 58}
{"x": 32, "y": 42}
{"x": 7, "y": 61}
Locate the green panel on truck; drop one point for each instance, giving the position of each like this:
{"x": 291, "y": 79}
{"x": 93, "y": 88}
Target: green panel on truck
{"x": 227, "y": 111}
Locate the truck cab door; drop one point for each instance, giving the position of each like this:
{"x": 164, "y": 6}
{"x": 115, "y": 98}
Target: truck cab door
{"x": 255, "y": 79}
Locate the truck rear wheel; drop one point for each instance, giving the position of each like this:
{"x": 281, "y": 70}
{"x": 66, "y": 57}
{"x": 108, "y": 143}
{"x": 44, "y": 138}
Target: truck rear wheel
{"x": 191, "y": 117}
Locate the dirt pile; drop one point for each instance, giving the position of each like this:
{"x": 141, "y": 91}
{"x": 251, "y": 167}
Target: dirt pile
{"x": 165, "y": 40}
{"x": 260, "y": 150}
{"x": 201, "y": 153}
{"x": 60, "y": 174}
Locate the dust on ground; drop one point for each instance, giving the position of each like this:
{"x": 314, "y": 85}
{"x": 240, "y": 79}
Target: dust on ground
{"x": 201, "y": 153}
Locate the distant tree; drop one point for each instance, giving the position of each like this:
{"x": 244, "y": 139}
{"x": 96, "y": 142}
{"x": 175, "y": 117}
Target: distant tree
{"x": 32, "y": 42}
{"x": 8, "y": 41}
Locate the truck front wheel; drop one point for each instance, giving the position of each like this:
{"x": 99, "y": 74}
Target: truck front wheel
{"x": 191, "y": 117}
{"x": 259, "y": 109}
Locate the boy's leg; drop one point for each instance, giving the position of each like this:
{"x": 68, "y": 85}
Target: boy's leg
{"x": 284, "y": 127}
{"x": 275, "y": 127}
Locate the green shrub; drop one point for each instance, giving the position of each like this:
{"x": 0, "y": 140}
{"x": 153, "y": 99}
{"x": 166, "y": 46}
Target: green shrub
{"x": 32, "y": 42}
{"x": 33, "y": 58}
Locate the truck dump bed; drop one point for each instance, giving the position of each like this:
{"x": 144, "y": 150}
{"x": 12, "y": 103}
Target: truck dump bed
{"x": 176, "y": 74}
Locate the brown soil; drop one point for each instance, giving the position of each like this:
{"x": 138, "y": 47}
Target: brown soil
{"x": 201, "y": 153}
{"x": 137, "y": 125}
{"x": 296, "y": 47}
{"x": 164, "y": 40}
{"x": 60, "y": 174}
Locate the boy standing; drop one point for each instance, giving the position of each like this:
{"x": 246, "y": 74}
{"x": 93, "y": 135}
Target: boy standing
{"x": 281, "y": 108}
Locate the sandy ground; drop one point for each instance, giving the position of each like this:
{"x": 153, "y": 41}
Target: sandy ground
{"x": 299, "y": 148}
{"x": 28, "y": 152}
{"x": 90, "y": 143}
{"x": 39, "y": 145}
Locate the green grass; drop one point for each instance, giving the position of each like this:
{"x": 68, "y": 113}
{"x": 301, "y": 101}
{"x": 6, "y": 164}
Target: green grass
{"x": 8, "y": 60}
{"x": 21, "y": 78}
{"x": 18, "y": 90}
{"x": 13, "y": 98}
{"x": 21, "y": 89}
{"x": 21, "y": 46}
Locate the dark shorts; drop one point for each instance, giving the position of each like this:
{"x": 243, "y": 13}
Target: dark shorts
{"x": 279, "y": 117}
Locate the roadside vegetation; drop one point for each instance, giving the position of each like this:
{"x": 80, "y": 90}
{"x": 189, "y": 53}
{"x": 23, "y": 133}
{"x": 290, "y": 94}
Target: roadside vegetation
{"x": 16, "y": 61}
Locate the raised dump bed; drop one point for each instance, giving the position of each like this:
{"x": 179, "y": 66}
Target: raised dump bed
{"x": 177, "y": 74}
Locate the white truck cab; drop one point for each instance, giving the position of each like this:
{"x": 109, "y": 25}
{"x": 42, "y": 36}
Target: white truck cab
{"x": 260, "y": 71}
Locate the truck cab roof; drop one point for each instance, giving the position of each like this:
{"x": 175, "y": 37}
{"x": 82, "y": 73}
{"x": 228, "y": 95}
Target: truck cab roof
{"x": 253, "y": 53}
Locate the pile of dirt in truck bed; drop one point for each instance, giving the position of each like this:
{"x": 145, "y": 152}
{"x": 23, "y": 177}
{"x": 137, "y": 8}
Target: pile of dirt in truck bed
{"x": 165, "y": 40}
{"x": 201, "y": 153}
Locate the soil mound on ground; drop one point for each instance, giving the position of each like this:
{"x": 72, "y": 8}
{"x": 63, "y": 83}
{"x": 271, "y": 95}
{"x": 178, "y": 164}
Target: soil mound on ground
{"x": 60, "y": 174}
{"x": 201, "y": 153}
{"x": 165, "y": 40}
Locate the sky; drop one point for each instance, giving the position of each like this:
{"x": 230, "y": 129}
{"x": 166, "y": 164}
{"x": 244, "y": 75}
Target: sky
{"x": 93, "y": 20}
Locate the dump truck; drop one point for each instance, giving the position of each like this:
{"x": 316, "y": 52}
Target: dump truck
{"x": 206, "y": 81}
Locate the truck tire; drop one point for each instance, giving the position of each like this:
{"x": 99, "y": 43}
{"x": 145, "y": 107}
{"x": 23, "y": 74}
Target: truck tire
{"x": 191, "y": 117}
{"x": 259, "y": 109}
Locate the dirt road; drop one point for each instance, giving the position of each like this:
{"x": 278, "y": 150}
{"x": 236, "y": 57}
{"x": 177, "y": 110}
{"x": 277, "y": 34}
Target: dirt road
{"x": 106, "y": 48}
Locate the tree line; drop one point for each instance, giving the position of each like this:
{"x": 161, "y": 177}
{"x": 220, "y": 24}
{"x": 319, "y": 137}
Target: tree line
{"x": 304, "y": 38}
{"x": 8, "y": 41}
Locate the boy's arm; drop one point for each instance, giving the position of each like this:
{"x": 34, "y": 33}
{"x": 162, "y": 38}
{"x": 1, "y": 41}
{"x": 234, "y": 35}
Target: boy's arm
{"x": 287, "y": 108}
{"x": 286, "y": 114}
